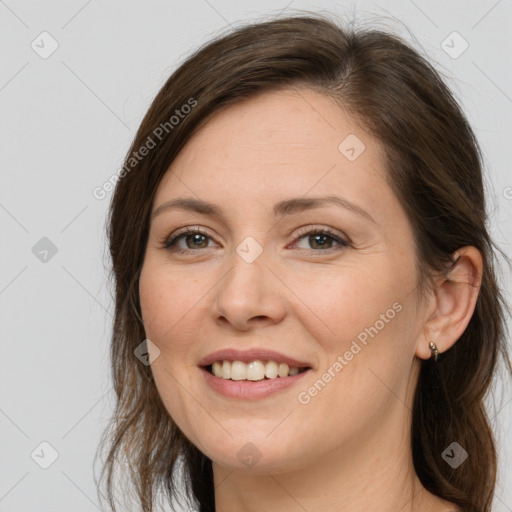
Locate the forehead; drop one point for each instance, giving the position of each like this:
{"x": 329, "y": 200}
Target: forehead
{"x": 291, "y": 142}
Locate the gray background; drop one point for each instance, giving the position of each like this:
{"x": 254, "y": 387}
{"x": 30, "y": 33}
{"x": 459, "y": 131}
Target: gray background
{"x": 66, "y": 123}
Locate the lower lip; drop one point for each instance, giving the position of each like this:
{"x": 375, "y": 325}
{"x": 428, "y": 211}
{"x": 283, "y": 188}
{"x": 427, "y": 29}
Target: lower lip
{"x": 247, "y": 389}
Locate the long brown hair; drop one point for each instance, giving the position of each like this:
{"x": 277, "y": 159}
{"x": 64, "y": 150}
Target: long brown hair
{"x": 434, "y": 165}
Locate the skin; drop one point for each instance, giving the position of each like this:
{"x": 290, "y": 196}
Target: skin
{"x": 348, "y": 448}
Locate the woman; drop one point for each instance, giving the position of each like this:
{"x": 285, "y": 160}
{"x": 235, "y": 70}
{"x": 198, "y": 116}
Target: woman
{"x": 307, "y": 314}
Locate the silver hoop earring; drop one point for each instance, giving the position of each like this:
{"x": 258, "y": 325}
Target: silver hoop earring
{"x": 434, "y": 350}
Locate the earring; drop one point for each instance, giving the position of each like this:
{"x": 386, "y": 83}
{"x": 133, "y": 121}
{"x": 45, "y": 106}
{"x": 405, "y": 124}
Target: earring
{"x": 434, "y": 350}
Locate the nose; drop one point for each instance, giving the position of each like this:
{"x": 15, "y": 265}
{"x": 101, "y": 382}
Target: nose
{"x": 249, "y": 295}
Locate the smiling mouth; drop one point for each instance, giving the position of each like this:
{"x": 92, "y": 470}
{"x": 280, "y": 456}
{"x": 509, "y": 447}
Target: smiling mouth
{"x": 256, "y": 370}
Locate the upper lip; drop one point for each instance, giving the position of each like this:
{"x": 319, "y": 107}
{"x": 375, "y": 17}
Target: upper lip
{"x": 246, "y": 356}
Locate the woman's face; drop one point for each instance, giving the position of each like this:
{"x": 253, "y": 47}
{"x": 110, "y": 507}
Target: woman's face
{"x": 281, "y": 274}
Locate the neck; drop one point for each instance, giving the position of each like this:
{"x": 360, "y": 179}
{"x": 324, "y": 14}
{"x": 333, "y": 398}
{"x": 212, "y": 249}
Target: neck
{"x": 368, "y": 485}
{"x": 374, "y": 474}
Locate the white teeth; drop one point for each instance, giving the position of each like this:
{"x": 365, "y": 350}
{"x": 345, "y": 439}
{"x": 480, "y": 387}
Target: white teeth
{"x": 238, "y": 371}
{"x": 216, "y": 369}
{"x": 226, "y": 370}
{"x": 254, "y": 371}
{"x": 283, "y": 370}
{"x": 271, "y": 370}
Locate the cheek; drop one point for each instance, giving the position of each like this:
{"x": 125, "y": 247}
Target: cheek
{"x": 348, "y": 302}
{"x": 168, "y": 303}
{"x": 169, "y": 314}
{"x": 361, "y": 383}
{"x": 363, "y": 322}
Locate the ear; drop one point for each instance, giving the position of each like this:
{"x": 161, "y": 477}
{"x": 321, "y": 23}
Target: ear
{"x": 453, "y": 302}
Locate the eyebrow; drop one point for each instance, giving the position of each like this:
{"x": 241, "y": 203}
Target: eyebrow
{"x": 280, "y": 209}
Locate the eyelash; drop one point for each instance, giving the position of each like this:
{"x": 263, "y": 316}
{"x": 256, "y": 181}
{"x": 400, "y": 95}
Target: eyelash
{"x": 169, "y": 243}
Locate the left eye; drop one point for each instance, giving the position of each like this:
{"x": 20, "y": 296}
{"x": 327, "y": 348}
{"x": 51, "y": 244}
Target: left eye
{"x": 320, "y": 240}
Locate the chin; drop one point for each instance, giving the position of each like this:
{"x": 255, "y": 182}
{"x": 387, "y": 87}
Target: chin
{"x": 253, "y": 455}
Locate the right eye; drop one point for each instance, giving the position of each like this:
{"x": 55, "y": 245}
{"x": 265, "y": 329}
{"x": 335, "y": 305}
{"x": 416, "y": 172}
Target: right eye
{"x": 193, "y": 236}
